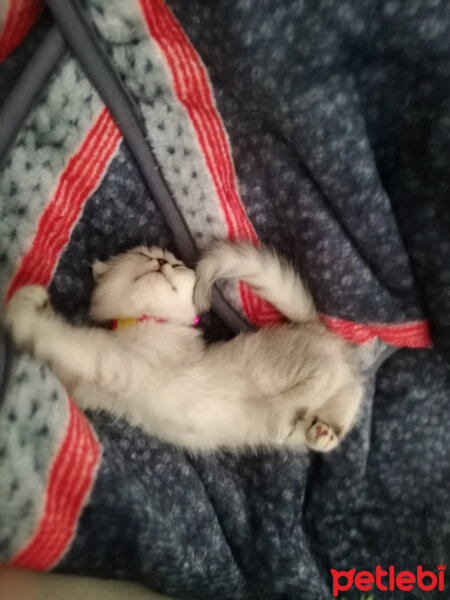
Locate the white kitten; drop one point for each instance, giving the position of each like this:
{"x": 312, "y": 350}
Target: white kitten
{"x": 292, "y": 384}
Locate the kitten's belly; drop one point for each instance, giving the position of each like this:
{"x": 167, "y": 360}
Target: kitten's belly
{"x": 201, "y": 416}
{"x": 88, "y": 396}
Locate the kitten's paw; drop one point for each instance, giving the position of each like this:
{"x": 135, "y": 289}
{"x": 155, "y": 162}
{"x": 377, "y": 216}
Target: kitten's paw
{"x": 23, "y": 311}
{"x": 321, "y": 437}
{"x": 34, "y": 297}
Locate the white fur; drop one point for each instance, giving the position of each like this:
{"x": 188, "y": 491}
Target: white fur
{"x": 293, "y": 384}
{"x": 271, "y": 276}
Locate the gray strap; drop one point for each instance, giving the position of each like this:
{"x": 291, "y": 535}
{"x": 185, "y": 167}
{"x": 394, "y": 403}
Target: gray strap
{"x": 6, "y": 354}
{"x": 22, "y": 97}
{"x": 97, "y": 67}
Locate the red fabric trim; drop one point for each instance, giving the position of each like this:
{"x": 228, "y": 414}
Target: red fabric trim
{"x": 70, "y": 481}
{"x": 193, "y": 90}
{"x": 415, "y": 334}
{"x": 73, "y": 469}
{"x": 77, "y": 182}
{"x": 19, "y": 18}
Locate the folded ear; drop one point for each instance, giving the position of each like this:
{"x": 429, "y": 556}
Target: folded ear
{"x": 99, "y": 268}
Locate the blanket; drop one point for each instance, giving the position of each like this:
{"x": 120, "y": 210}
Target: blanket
{"x": 320, "y": 128}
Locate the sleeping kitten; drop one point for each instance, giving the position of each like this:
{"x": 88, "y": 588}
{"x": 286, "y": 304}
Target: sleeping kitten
{"x": 292, "y": 384}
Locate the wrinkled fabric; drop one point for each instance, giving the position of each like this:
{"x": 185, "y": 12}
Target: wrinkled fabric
{"x": 338, "y": 116}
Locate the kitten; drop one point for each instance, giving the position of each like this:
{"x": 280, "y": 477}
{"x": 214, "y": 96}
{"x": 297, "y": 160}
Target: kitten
{"x": 292, "y": 384}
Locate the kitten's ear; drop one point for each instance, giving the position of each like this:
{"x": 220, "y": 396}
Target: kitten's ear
{"x": 99, "y": 268}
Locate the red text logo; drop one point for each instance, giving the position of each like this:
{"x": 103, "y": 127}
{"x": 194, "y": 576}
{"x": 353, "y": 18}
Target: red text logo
{"x": 365, "y": 581}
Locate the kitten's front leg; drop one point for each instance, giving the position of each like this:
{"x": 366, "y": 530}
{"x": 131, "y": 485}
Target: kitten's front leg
{"x": 28, "y": 305}
{"x": 88, "y": 355}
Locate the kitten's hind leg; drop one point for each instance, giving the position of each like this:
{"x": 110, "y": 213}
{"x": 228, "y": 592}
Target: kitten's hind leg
{"x": 320, "y": 436}
{"x": 325, "y": 428}
{"x": 82, "y": 354}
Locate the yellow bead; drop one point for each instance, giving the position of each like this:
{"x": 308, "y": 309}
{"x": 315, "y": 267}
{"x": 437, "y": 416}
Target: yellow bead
{"x": 123, "y": 323}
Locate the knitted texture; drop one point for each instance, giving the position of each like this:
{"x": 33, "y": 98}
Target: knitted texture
{"x": 320, "y": 128}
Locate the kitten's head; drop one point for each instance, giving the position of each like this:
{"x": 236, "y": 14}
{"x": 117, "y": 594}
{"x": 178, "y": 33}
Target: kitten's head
{"x": 143, "y": 281}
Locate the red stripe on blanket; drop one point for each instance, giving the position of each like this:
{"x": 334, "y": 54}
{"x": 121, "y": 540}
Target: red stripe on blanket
{"x": 73, "y": 469}
{"x": 70, "y": 481}
{"x": 76, "y": 183}
{"x": 19, "y": 18}
{"x": 193, "y": 90}
{"x": 415, "y": 334}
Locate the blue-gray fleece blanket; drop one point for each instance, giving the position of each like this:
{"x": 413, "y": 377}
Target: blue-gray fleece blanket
{"x": 320, "y": 127}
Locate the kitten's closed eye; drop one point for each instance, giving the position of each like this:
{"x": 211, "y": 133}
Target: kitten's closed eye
{"x": 142, "y": 254}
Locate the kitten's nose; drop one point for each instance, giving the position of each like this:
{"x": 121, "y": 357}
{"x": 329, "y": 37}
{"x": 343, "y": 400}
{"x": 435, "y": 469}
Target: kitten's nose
{"x": 161, "y": 262}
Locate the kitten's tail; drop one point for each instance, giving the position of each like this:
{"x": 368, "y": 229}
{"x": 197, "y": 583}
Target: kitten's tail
{"x": 272, "y": 278}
